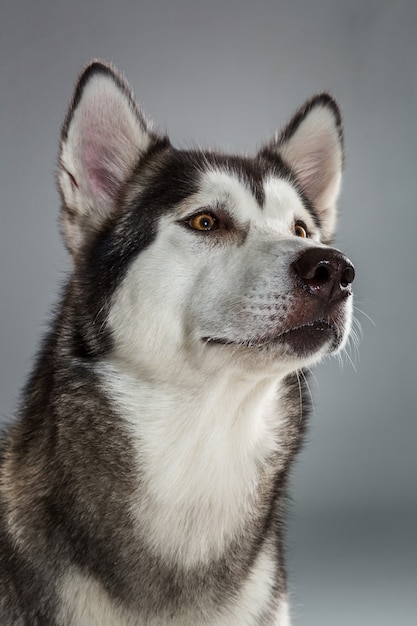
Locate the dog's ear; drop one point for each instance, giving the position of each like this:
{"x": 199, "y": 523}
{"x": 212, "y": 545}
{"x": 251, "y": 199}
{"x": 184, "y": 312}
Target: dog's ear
{"x": 103, "y": 137}
{"x": 312, "y": 146}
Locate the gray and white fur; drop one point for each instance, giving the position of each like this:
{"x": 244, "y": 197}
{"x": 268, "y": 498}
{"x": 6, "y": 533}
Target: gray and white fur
{"x": 144, "y": 481}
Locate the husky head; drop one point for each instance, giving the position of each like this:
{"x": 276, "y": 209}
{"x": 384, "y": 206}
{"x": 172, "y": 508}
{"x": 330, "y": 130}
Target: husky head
{"x": 195, "y": 260}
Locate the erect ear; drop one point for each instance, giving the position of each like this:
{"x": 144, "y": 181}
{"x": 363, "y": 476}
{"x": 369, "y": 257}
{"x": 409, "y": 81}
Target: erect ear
{"x": 312, "y": 145}
{"x": 103, "y": 137}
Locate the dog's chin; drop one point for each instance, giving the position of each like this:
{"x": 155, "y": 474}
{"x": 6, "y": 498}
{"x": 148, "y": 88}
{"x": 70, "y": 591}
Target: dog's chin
{"x": 300, "y": 342}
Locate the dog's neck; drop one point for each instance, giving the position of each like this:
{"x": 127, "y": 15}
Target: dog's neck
{"x": 205, "y": 453}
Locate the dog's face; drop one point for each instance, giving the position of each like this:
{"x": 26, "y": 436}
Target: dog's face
{"x": 202, "y": 260}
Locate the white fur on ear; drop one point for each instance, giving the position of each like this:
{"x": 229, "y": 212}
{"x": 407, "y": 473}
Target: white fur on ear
{"x": 312, "y": 146}
{"x": 103, "y": 138}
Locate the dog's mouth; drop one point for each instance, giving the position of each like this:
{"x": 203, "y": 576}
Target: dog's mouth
{"x": 309, "y": 338}
{"x": 302, "y": 340}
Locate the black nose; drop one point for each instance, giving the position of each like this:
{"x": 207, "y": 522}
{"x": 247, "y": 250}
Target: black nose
{"x": 325, "y": 272}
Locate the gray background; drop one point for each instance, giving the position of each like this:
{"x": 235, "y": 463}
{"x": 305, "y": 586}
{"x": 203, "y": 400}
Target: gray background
{"x": 228, "y": 73}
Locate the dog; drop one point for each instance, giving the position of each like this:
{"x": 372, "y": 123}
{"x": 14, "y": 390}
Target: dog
{"x": 145, "y": 480}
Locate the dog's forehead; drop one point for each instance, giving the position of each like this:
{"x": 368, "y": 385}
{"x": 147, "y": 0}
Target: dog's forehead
{"x": 280, "y": 200}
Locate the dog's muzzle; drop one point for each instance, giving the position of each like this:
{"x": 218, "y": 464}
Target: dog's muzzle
{"x": 318, "y": 317}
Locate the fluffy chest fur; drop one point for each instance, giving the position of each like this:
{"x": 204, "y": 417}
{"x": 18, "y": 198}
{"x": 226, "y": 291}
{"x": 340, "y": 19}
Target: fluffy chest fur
{"x": 207, "y": 455}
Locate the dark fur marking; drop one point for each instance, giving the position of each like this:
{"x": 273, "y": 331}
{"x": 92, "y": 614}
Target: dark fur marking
{"x": 277, "y": 167}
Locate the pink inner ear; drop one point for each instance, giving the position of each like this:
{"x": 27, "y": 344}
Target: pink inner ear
{"x": 315, "y": 167}
{"x": 97, "y": 161}
{"x": 104, "y": 138}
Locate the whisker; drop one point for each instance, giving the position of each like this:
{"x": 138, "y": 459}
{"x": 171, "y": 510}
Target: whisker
{"x": 349, "y": 358}
{"x": 301, "y": 372}
{"x": 300, "y": 395}
{"x": 313, "y": 376}
{"x": 368, "y": 317}
{"x": 354, "y": 339}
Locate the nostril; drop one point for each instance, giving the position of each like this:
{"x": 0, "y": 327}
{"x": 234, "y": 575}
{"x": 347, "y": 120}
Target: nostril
{"x": 312, "y": 268}
{"x": 348, "y": 275}
{"x": 322, "y": 274}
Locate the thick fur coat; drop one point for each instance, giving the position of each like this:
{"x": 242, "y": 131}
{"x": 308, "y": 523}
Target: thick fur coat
{"x": 144, "y": 480}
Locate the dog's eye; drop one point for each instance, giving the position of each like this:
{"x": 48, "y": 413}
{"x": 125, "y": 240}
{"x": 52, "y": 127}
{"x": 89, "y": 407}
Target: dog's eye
{"x": 203, "y": 222}
{"x": 300, "y": 230}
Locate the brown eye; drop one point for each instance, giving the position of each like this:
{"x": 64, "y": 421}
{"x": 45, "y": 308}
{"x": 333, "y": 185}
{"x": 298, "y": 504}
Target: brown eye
{"x": 203, "y": 222}
{"x": 300, "y": 230}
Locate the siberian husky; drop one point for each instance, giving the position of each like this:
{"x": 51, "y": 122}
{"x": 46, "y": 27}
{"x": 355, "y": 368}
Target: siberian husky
{"x": 145, "y": 481}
